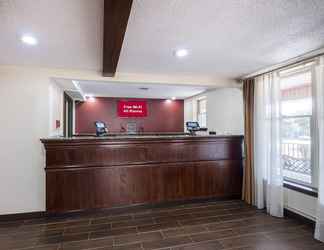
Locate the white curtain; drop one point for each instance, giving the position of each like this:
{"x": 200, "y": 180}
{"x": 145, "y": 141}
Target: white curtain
{"x": 267, "y": 155}
{"x": 319, "y": 117}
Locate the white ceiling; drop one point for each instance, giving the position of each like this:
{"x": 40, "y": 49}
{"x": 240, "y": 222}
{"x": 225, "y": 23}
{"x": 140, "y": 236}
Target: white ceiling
{"x": 229, "y": 38}
{"x": 226, "y": 38}
{"x": 132, "y": 90}
{"x": 69, "y": 33}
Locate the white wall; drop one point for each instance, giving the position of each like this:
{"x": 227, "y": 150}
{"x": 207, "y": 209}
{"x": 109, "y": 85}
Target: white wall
{"x": 24, "y": 109}
{"x": 300, "y": 203}
{"x": 29, "y": 105}
{"x": 224, "y": 110}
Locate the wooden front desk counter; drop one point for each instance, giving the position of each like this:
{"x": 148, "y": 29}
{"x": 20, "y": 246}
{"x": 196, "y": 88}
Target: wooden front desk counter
{"x": 92, "y": 173}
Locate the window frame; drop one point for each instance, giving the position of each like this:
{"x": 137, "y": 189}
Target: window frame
{"x": 307, "y": 67}
{"x": 199, "y": 113}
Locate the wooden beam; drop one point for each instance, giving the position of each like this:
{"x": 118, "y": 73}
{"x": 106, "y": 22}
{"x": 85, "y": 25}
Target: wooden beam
{"x": 115, "y": 23}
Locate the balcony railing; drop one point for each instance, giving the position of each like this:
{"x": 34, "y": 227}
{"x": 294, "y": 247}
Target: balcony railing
{"x": 296, "y": 160}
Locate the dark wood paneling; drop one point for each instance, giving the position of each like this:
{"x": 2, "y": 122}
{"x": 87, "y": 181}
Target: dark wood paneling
{"x": 87, "y": 153}
{"x": 86, "y": 174}
{"x": 116, "y": 14}
{"x": 123, "y": 185}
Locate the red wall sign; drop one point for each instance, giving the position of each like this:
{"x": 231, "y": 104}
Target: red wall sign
{"x": 132, "y": 108}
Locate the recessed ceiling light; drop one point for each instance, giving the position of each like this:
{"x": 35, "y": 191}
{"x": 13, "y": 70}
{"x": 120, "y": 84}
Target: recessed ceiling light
{"x": 29, "y": 40}
{"x": 181, "y": 53}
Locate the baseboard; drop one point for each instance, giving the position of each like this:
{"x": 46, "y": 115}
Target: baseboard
{"x": 113, "y": 210}
{"x": 291, "y": 214}
{"x": 22, "y": 216}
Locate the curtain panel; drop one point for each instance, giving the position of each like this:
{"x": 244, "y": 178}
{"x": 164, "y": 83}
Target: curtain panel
{"x": 267, "y": 145}
{"x": 319, "y": 107}
{"x": 263, "y": 143}
{"x": 248, "y": 171}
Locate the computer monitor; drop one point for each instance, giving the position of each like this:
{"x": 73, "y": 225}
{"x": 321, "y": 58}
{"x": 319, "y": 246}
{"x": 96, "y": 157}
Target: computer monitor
{"x": 192, "y": 126}
{"x": 101, "y": 128}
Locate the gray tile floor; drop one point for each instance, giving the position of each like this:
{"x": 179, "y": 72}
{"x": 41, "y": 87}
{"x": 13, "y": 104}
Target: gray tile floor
{"x": 204, "y": 226}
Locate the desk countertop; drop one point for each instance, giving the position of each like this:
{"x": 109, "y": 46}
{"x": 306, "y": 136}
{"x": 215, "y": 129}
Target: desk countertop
{"x": 114, "y": 137}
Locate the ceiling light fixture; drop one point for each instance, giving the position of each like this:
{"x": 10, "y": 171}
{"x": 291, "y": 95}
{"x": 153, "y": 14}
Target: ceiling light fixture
{"x": 168, "y": 100}
{"x": 180, "y": 53}
{"x": 29, "y": 40}
{"x": 173, "y": 98}
{"x": 90, "y": 98}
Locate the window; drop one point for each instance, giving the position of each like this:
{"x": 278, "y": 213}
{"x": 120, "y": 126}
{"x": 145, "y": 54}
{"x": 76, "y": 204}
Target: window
{"x": 296, "y": 126}
{"x": 202, "y": 112}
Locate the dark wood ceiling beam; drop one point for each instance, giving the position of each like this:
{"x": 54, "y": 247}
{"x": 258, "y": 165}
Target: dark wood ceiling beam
{"x": 115, "y": 23}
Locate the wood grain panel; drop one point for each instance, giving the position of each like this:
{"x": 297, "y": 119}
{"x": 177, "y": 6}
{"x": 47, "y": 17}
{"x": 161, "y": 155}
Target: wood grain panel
{"x": 115, "y": 23}
{"x": 149, "y": 151}
{"x": 89, "y": 174}
{"x": 123, "y": 185}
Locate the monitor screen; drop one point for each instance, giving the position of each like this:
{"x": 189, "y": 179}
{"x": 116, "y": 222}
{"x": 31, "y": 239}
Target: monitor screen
{"x": 192, "y": 125}
{"x": 100, "y": 125}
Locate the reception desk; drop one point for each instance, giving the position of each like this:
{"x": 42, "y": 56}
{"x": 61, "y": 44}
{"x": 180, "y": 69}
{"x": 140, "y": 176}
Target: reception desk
{"x": 115, "y": 171}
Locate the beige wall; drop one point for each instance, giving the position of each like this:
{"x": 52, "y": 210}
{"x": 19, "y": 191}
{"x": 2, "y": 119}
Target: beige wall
{"x": 24, "y": 102}
{"x": 30, "y": 103}
{"x": 224, "y": 110}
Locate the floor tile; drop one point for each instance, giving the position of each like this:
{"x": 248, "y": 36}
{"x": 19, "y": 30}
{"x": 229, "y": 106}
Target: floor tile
{"x": 198, "y": 226}
{"x": 170, "y": 242}
{"x": 136, "y": 238}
